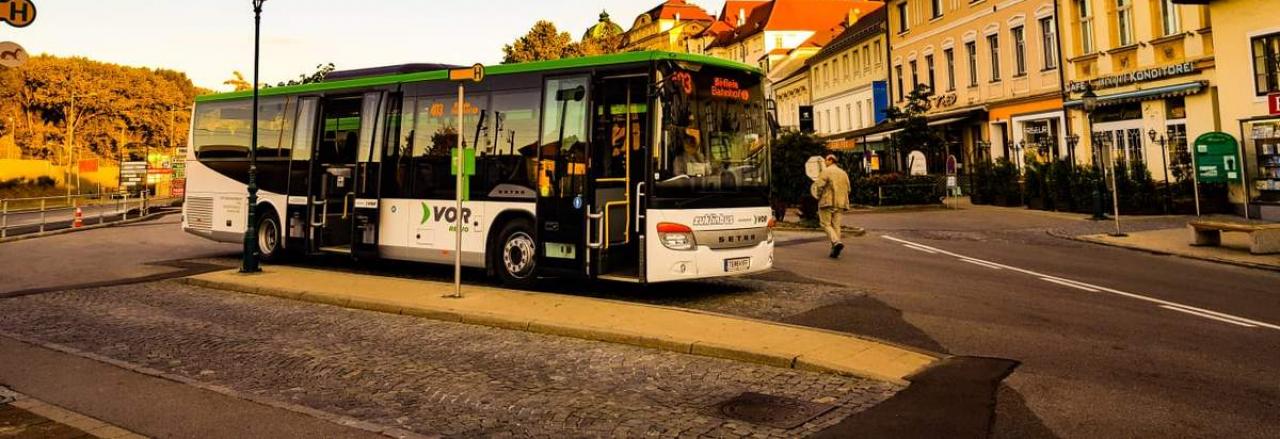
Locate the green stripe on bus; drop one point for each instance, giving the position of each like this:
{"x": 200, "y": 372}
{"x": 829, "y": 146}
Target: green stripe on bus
{"x": 502, "y": 69}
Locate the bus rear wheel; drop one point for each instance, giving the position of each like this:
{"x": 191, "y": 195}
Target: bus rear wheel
{"x": 269, "y": 237}
{"x": 515, "y": 258}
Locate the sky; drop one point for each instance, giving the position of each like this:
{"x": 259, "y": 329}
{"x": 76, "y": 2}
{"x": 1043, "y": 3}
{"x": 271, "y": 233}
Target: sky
{"x": 208, "y": 39}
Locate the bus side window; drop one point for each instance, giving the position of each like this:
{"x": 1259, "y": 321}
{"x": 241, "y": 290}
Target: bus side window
{"x": 304, "y": 135}
{"x": 397, "y": 180}
{"x": 275, "y": 127}
{"x": 222, "y": 130}
{"x": 435, "y": 135}
{"x": 508, "y": 153}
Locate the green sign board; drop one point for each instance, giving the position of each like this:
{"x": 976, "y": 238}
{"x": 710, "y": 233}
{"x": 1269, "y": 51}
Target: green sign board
{"x": 1216, "y": 158}
{"x": 469, "y": 168}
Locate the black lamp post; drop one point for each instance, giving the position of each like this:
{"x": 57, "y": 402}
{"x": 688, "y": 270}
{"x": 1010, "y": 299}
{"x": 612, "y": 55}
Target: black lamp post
{"x": 1164, "y": 160}
{"x": 249, "y": 264}
{"x": 1090, "y": 101}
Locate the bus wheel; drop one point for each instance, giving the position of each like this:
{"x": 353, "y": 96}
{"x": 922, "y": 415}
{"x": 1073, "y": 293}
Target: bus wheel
{"x": 269, "y": 248}
{"x": 516, "y": 256}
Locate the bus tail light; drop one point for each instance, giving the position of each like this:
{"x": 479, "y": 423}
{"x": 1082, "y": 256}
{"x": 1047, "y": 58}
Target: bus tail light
{"x": 676, "y": 236}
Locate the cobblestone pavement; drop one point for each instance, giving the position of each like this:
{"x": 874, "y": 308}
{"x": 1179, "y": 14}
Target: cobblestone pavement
{"x": 423, "y": 375}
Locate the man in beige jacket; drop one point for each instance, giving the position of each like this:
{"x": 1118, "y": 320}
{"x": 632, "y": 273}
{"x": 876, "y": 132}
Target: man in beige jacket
{"x": 832, "y": 190}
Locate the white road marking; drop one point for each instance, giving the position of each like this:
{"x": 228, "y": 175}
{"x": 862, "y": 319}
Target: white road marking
{"x": 920, "y": 249}
{"x": 980, "y": 263}
{"x": 1083, "y": 285}
{"x": 1069, "y": 284}
{"x": 1199, "y": 314}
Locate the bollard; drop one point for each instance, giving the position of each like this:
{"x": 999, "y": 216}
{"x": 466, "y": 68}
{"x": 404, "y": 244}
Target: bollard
{"x": 125, "y": 213}
{"x": 4, "y": 218}
{"x": 42, "y": 215}
{"x": 78, "y": 221}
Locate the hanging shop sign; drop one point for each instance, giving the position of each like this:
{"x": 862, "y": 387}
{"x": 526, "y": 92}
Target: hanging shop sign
{"x": 1136, "y": 76}
{"x": 12, "y": 55}
{"x": 1217, "y": 158}
{"x": 1273, "y": 103}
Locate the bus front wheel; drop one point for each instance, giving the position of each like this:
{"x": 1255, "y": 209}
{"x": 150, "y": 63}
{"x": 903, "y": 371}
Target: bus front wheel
{"x": 515, "y": 258}
{"x": 269, "y": 245}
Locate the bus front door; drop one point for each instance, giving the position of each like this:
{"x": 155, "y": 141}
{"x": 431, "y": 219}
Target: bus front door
{"x": 562, "y": 177}
{"x": 333, "y": 184}
{"x": 619, "y": 140}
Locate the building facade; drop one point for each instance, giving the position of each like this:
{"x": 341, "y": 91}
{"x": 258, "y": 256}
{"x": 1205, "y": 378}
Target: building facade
{"x": 850, "y": 81}
{"x": 793, "y": 97}
{"x": 1151, "y": 65}
{"x": 769, "y": 32}
{"x": 991, "y": 69}
{"x": 1249, "y": 96}
{"x": 667, "y": 27}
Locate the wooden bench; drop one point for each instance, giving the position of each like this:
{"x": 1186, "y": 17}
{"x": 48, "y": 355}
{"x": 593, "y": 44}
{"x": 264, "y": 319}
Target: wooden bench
{"x": 1263, "y": 238}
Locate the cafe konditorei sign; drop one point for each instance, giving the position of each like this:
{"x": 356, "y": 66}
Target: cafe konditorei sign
{"x": 1136, "y": 76}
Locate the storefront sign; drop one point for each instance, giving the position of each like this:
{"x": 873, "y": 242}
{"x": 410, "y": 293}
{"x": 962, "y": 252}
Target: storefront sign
{"x": 1217, "y": 158}
{"x": 842, "y": 144}
{"x": 943, "y": 101}
{"x": 1143, "y": 75}
{"x": 1273, "y": 103}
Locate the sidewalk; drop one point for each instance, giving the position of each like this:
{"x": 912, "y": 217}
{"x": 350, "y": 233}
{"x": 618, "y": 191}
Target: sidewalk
{"x": 1234, "y": 249}
{"x": 25, "y": 417}
{"x": 666, "y": 328}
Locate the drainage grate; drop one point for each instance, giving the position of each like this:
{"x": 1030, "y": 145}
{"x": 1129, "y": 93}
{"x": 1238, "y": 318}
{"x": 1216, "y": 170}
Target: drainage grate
{"x": 772, "y": 411}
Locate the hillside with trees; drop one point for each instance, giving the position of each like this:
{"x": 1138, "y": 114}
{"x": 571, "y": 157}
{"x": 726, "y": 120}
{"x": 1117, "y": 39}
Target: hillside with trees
{"x": 100, "y": 107}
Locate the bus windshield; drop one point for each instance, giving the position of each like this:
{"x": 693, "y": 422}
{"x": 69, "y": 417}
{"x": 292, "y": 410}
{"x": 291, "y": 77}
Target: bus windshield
{"x": 715, "y": 138}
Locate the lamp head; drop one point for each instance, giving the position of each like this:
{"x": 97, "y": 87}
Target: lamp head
{"x": 1089, "y": 98}
{"x": 1152, "y": 134}
{"x": 257, "y": 5}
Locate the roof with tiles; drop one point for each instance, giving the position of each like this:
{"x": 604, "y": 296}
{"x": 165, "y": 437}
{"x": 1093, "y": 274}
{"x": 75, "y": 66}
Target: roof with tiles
{"x": 800, "y": 15}
{"x": 869, "y": 24}
{"x": 673, "y": 9}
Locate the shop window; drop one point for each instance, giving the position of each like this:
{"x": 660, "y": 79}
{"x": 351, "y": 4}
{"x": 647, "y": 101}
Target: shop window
{"x": 1175, "y": 108}
{"x": 1049, "y": 38}
{"x": 1266, "y": 64}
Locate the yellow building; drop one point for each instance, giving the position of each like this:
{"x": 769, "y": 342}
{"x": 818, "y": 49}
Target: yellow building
{"x": 992, "y": 68}
{"x": 1246, "y": 33}
{"x": 1151, "y": 65}
{"x": 667, "y": 27}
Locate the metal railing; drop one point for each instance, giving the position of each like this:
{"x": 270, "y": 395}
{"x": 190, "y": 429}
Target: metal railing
{"x": 38, "y": 214}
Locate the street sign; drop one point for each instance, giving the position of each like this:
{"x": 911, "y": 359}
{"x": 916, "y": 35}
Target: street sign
{"x": 813, "y": 167}
{"x": 12, "y": 55}
{"x": 475, "y": 73}
{"x": 18, "y": 13}
{"x": 951, "y": 164}
{"x": 88, "y": 166}
{"x": 1217, "y": 158}
{"x": 1273, "y": 103}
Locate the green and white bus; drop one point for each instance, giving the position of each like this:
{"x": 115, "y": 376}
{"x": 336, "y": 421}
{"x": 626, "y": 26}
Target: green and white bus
{"x": 641, "y": 167}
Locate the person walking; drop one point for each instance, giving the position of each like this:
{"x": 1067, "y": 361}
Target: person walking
{"x": 832, "y": 190}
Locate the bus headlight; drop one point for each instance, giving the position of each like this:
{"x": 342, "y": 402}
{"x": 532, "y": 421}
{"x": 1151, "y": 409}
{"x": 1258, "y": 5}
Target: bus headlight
{"x": 676, "y": 236}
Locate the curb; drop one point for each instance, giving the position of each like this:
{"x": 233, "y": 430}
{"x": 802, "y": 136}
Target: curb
{"x": 596, "y": 333}
{"x": 34, "y": 235}
{"x": 1244, "y": 264}
{"x": 346, "y": 421}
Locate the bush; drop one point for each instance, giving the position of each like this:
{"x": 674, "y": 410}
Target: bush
{"x": 897, "y": 190}
{"x": 790, "y": 184}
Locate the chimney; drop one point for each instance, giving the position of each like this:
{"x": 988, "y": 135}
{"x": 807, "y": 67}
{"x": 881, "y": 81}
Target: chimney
{"x": 742, "y": 16}
{"x": 854, "y": 14}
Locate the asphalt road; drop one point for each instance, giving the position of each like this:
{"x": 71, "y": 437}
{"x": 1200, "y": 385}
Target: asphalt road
{"x": 1113, "y": 342}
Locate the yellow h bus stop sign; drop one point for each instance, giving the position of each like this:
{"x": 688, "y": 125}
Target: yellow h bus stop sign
{"x": 474, "y": 73}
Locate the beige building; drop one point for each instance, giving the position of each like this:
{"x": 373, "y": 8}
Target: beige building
{"x": 667, "y": 27}
{"x": 850, "y": 80}
{"x": 792, "y": 95}
{"x": 992, "y": 67}
{"x": 1151, "y": 65}
{"x": 1249, "y": 95}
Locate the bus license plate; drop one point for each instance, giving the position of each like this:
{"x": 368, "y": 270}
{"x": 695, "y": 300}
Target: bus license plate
{"x": 737, "y": 264}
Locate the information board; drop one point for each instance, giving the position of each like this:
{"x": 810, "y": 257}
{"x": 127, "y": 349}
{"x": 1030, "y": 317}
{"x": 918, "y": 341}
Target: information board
{"x": 1217, "y": 158}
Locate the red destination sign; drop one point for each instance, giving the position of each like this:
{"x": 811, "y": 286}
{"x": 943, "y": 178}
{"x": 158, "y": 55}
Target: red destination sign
{"x": 1273, "y": 103}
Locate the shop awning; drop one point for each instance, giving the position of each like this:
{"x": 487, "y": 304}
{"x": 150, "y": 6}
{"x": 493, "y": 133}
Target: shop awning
{"x": 1168, "y": 91}
{"x": 934, "y": 123}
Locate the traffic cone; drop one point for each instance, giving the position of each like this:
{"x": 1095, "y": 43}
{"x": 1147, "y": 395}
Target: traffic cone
{"x": 79, "y": 222}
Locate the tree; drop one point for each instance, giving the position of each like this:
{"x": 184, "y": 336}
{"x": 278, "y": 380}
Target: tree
{"x": 238, "y": 82}
{"x": 322, "y": 70}
{"x": 916, "y": 134}
{"x": 790, "y": 183}
{"x": 542, "y": 42}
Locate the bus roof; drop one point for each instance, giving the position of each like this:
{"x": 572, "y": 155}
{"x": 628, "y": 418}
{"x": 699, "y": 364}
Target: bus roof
{"x": 501, "y": 69}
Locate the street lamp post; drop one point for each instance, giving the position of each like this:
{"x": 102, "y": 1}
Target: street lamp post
{"x": 1164, "y": 160}
{"x": 250, "y": 254}
{"x": 1090, "y": 101}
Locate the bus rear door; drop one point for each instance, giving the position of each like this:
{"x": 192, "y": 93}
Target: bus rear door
{"x": 562, "y": 177}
